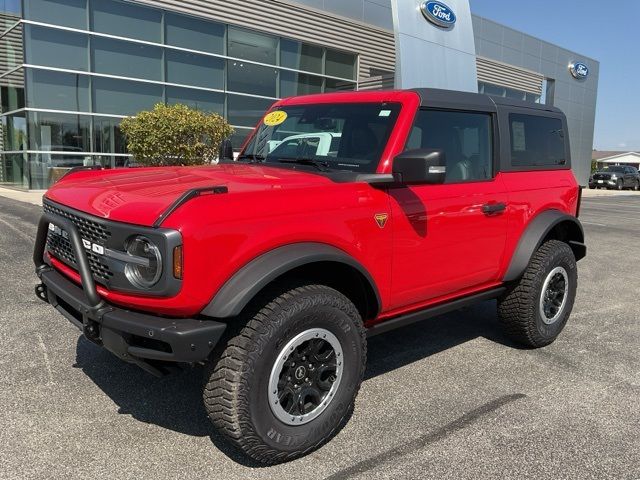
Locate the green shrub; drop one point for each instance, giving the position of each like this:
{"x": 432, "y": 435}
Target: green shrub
{"x": 174, "y": 135}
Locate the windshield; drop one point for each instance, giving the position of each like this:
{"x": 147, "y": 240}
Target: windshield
{"x": 615, "y": 169}
{"x": 334, "y": 136}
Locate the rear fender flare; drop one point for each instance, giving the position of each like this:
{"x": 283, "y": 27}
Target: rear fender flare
{"x": 536, "y": 232}
{"x": 247, "y": 282}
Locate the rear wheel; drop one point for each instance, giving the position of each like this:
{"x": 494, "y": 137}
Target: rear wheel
{"x": 534, "y": 311}
{"x": 287, "y": 380}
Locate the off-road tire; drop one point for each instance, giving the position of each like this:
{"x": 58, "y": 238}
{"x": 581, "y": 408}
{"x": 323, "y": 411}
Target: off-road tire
{"x": 236, "y": 385}
{"x": 518, "y": 308}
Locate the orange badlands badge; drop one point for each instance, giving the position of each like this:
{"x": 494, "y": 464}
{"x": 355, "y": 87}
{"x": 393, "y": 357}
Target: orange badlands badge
{"x": 381, "y": 219}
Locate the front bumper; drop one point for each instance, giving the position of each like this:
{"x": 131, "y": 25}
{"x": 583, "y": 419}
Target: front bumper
{"x": 146, "y": 340}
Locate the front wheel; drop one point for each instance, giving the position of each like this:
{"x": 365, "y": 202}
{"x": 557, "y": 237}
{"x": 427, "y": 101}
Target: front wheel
{"x": 636, "y": 186}
{"x": 287, "y": 380}
{"x": 620, "y": 185}
{"x": 534, "y": 311}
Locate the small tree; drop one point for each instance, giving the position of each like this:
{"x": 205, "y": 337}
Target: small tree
{"x": 174, "y": 135}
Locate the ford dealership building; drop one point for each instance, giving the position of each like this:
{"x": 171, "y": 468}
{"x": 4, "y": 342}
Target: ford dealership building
{"x": 70, "y": 70}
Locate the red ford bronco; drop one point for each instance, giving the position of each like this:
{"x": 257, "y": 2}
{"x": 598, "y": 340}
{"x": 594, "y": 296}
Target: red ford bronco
{"x": 345, "y": 215}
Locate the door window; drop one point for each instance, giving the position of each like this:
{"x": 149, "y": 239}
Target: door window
{"x": 465, "y": 138}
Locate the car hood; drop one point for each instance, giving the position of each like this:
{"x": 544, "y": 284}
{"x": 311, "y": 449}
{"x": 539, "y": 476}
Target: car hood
{"x": 140, "y": 195}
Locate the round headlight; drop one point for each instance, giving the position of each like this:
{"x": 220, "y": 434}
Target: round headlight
{"x": 145, "y": 270}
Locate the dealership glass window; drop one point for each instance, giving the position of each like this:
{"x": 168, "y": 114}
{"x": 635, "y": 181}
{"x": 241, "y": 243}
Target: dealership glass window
{"x": 292, "y": 83}
{"x": 199, "y": 99}
{"x": 12, "y": 91}
{"x": 12, "y": 170}
{"x": 464, "y": 137}
{"x": 190, "y": 32}
{"x": 340, "y": 64}
{"x": 331, "y": 85}
{"x": 58, "y": 91}
{"x": 11, "y": 7}
{"x": 56, "y": 48}
{"x": 107, "y": 136}
{"x": 123, "y": 97}
{"x": 11, "y": 49}
{"x": 249, "y": 78}
{"x": 68, "y": 13}
{"x": 14, "y": 132}
{"x": 126, "y": 59}
{"x": 250, "y": 45}
{"x": 126, "y": 20}
{"x": 47, "y": 168}
{"x": 58, "y": 132}
{"x": 239, "y": 136}
{"x": 301, "y": 56}
{"x": 536, "y": 141}
{"x": 246, "y": 111}
{"x": 192, "y": 69}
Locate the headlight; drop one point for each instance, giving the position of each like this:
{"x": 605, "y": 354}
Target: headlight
{"x": 145, "y": 268}
{"x": 613, "y": 177}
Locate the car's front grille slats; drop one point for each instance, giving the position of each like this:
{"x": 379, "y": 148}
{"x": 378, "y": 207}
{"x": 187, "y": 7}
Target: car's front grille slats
{"x": 59, "y": 246}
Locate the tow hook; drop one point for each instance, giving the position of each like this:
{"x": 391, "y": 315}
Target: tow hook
{"x": 41, "y": 292}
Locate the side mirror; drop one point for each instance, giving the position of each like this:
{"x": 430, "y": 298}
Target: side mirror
{"x": 420, "y": 166}
{"x": 226, "y": 150}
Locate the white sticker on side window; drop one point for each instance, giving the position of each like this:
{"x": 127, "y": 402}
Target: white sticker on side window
{"x": 518, "y": 142}
{"x": 384, "y": 113}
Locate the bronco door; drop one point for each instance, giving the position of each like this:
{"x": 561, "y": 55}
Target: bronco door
{"x": 450, "y": 238}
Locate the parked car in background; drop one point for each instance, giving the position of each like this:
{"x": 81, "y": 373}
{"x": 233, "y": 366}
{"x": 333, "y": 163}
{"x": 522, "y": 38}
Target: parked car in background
{"x": 616, "y": 177}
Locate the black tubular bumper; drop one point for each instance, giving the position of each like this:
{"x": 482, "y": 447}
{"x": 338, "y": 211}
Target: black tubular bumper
{"x": 140, "y": 338}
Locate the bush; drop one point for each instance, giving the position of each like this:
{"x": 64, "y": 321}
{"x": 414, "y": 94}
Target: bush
{"x": 174, "y": 135}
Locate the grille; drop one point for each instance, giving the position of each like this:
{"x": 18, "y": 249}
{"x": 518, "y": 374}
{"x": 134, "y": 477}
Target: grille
{"x": 601, "y": 176}
{"x": 60, "y": 246}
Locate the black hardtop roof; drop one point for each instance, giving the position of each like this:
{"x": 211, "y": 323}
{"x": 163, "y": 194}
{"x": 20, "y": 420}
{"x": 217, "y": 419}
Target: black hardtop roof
{"x": 439, "y": 98}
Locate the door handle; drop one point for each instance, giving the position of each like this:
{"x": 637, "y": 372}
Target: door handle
{"x": 493, "y": 208}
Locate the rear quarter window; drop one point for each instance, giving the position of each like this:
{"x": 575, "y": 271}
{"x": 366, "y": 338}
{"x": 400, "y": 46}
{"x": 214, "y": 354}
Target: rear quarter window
{"x": 537, "y": 141}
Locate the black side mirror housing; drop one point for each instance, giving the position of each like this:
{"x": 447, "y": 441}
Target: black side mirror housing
{"x": 226, "y": 150}
{"x": 421, "y": 166}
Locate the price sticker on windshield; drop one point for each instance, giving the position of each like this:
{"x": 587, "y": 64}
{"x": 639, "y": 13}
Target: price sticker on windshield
{"x": 274, "y": 118}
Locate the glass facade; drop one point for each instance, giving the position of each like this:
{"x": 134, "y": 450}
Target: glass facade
{"x": 498, "y": 91}
{"x": 70, "y": 70}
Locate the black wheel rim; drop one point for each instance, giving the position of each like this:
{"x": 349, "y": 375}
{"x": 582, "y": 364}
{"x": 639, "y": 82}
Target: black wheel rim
{"x": 305, "y": 377}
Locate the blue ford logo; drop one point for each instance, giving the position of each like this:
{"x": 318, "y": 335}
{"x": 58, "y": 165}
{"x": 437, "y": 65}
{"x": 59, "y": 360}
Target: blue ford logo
{"x": 579, "y": 70}
{"x": 438, "y": 14}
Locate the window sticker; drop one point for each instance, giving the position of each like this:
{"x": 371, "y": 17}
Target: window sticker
{"x": 384, "y": 113}
{"x": 518, "y": 137}
{"x": 274, "y": 118}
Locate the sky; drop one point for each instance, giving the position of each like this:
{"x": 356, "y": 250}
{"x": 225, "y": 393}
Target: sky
{"x": 608, "y": 31}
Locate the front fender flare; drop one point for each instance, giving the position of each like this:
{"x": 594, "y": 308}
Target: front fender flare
{"x": 238, "y": 291}
{"x": 534, "y": 235}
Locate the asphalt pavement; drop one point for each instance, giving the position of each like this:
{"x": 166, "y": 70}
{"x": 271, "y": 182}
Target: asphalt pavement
{"x": 447, "y": 398}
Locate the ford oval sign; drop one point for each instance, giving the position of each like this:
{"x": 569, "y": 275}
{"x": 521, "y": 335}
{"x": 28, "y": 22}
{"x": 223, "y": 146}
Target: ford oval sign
{"x": 438, "y": 14}
{"x": 579, "y": 70}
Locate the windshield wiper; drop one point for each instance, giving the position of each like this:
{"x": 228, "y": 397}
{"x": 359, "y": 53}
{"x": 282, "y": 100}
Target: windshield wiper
{"x": 319, "y": 164}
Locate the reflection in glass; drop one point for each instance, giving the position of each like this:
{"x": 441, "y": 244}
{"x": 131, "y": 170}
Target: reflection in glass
{"x": 249, "y": 78}
{"x": 58, "y": 91}
{"x": 14, "y": 132}
{"x": 193, "y": 33}
{"x": 300, "y": 56}
{"x": 340, "y": 64}
{"x": 332, "y": 85}
{"x": 122, "y": 97}
{"x": 12, "y": 91}
{"x": 250, "y": 45}
{"x": 12, "y": 171}
{"x": 68, "y": 13}
{"x": 246, "y": 111}
{"x": 198, "y": 99}
{"x": 126, "y": 20}
{"x": 193, "y": 69}
{"x": 11, "y": 48}
{"x": 56, "y": 48}
{"x": 59, "y": 132}
{"x": 107, "y": 136}
{"x": 126, "y": 59}
{"x": 47, "y": 168}
{"x": 292, "y": 83}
